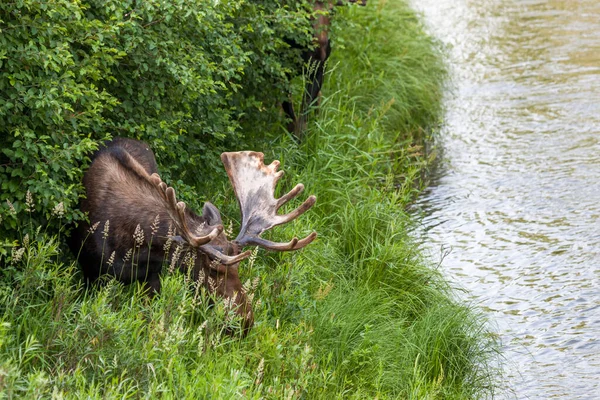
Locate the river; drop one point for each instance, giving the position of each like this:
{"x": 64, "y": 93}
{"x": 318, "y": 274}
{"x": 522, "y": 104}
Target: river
{"x": 516, "y": 197}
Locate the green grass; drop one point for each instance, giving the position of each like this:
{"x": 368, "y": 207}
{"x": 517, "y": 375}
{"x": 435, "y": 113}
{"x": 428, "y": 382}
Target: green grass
{"x": 357, "y": 314}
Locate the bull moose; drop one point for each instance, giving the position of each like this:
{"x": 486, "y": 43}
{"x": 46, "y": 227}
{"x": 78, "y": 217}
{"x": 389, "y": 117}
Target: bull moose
{"x": 141, "y": 215}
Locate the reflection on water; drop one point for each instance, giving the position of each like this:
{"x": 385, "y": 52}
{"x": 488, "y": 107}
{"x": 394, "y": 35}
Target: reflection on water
{"x": 517, "y": 199}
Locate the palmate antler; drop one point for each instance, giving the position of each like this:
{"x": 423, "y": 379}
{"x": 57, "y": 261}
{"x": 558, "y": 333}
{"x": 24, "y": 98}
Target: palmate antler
{"x": 204, "y": 234}
{"x": 254, "y": 185}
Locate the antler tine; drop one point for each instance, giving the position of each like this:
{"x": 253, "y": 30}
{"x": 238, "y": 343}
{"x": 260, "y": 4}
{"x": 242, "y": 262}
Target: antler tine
{"x": 177, "y": 212}
{"x": 254, "y": 185}
{"x": 225, "y": 259}
{"x": 293, "y": 244}
{"x": 299, "y": 188}
{"x": 304, "y": 207}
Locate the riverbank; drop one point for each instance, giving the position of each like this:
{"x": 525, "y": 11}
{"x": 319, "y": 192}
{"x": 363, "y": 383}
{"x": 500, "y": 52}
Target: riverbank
{"x": 358, "y": 314}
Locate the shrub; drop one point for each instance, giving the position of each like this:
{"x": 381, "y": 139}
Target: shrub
{"x": 183, "y": 75}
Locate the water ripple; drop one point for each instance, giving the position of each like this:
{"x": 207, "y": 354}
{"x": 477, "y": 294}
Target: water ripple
{"x": 517, "y": 198}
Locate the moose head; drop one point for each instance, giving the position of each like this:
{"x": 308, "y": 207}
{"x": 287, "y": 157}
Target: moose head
{"x": 126, "y": 195}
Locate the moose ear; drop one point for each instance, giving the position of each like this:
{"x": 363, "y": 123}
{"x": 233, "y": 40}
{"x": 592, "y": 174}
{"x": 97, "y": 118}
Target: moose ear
{"x": 211, "y": 214}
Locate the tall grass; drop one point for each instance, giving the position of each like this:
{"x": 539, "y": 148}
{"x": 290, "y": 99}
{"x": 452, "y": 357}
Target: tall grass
{"x": 357, "y": 314}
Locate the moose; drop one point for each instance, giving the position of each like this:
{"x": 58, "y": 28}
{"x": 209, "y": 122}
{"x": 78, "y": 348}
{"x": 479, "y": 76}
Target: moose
{"x": 315, "y": 57}
{"x": 142, "y": 218}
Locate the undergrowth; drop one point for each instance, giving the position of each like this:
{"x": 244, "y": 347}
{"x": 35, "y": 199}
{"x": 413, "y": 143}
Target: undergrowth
{"x": 357, "y": 314}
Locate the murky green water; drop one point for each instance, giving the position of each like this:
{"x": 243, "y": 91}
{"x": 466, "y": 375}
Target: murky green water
{"x": 517, "y": 199}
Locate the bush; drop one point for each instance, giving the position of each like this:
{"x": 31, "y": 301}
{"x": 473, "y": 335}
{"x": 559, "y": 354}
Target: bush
{"x": 183, "y": 75}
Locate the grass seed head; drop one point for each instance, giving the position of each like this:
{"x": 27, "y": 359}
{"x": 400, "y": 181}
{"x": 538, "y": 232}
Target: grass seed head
{"x": 191, "y": 259}
{"x": 203, "y": 326}
{"x": 230, "y": 301}
{"x": 127, "y": 255}
{"x": 229, "y": 230}
{"x": 252, "y": 258}
{"x": 111, "y": 259}
{"x": 93, "y": 228}
{"x": 29, "y": 202}
{"x": 260, "y": 371}
{"x": 167, "y": 245}
{"x": 246, "y": 286}
{"x": 11, "y": 208}
{"x": 323, "y": 291}
{"x": 214, "y": 264}
{"x": 255, "y": 283}
{"x": 201, "y": 277}
{"x": 154, "y": 226}
{"x": 211, "y": 284}
{"x": 170, "y": 234}
{"x": 175, "y": 258}
{"x": 106, "y": 229}
{"x": 138, "y": 236}
{"x": 17, "y": 255}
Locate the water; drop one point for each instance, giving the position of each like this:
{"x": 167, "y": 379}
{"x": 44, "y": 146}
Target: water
{"x": 517, "y": 197}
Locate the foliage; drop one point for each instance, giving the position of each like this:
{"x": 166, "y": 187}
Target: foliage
{"x": 357, "y": 314}
{"x": 182, "y": 75}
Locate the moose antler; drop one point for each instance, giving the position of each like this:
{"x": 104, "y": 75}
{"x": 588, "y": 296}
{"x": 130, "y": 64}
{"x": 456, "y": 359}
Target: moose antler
{"x": 176, "y": 211}
{"x": 254, "y": 185}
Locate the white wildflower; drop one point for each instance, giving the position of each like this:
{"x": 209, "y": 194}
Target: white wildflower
{"x": 17, "y": 255}
{"x": 29, "y": 201}
{"x": 59, "y": 210}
